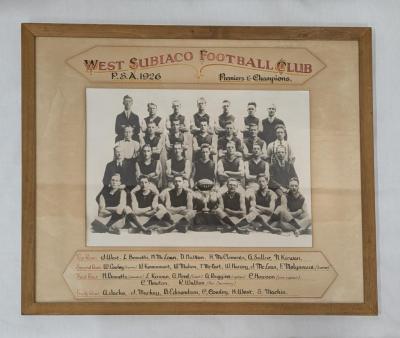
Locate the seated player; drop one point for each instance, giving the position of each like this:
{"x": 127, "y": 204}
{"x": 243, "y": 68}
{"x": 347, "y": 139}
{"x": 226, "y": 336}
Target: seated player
{"x": 203, "y": 137}
{"x": 145, "y": 214}
{"x": 178, "y": 165}
{"x": 175, "y": 135}
{"x": 230, "y": 166}
{"x": 255, "y": 166}
{"x": 295, "y": 209}
{"x": 250, "y": 119}
{"x": 262, "y": 206}
{"x": 112, "y": 203}
{"x": 281, "y": 171}
{"x": 229, "y": 137}
{"x": 153, "y": 117}
{"x": 179, "y": 205}
{"x": 119, "y": 166}
{"x": 201, "y": 115}
{"x": 232, "y": 209}
{"x": 223, "y": 119}
{"x": 280, "y": 141}
{"x": 147, "y": 165}
{"x": 154, "y": 140}
{"x": 176, "y": 115}
{"x": 251, "y": 140}
{"x": 203, "y": 168}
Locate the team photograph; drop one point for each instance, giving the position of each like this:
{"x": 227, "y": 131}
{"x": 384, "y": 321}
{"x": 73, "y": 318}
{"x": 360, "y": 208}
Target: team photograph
{"x": 198, "y": 167}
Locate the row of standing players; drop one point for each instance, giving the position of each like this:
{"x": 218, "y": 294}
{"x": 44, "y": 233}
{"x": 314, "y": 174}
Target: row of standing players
{"x": 215, "y": 158}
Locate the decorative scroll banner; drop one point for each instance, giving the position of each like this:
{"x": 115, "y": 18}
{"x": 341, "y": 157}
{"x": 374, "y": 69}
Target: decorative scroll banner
{"x": 197, "y": 276}
{"x": 145, "y": 64}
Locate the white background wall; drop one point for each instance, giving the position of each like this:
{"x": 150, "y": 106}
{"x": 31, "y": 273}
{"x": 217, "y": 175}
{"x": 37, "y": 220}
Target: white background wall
{"x": 383, "y": 16}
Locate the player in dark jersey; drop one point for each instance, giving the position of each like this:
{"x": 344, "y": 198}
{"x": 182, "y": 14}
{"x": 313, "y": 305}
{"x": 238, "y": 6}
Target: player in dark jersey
{"x": 201, "y": 115}
{"x": 203, "y": 168}
{"x": 230, "y": 166}
{"x": 203, "y": 137}
{"x": 176, "y": 115}
{"x": 251, "y": 140}
{"x": 295, "y": 209}
{"x": 178, "y": 165}
{"x": 112, "y": 203}
{"x": 175, "y": 135}
{"x": 159, "y": 122}
{"x": 262, "y": 206}
{"x": 154, "y": 140}
{"x": 223, "y": 119}
{"x": 146, "y": 214}
{"x": 255, "y": 166}
{"x": 232, "y": 209}
{"x": 228, "y": 137}
{"x": 147, "y": 165}
{"x": 179, "y": 205}
{"x": 281, "y": 171}
{"x": 250, "y": 119}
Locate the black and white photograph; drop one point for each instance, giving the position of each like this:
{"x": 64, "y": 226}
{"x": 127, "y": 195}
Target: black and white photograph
{"x": 204, "y": 168}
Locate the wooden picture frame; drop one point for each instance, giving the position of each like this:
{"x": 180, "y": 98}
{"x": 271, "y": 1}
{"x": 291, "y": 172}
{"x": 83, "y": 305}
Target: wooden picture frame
{"x": 30, "y": 32}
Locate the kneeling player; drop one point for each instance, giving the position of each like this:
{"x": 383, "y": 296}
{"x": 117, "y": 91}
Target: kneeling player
{"x": 262, "y": 205}
{"x": 146, "y": 214}
{"x": 179, "y": 204}
{"x": 112, "y": 202}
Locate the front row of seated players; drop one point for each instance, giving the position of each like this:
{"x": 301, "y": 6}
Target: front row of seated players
{"x": 198, "y": 210}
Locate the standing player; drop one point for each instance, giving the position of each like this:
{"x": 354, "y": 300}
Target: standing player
{"x": 149, "y": 166}
{"x": 250, "y": 119}
{"x": 223, "y": 119}
{"x": 251, "y": 140}
{"x": 112, "y": 203}
{"x": 201, "y": 115}
{"x": 230, "y": 166}
{"x": 203, "y": 137}
{"x": 145, "y": 214}
{"x": 268, "y": 133}
{"x": 280, "y": 141}
{"x": 153, "y": 117}
{"x": 229, "y": 137}
{"x": 125, "y": 119}
{"x": 153, "y": 139}
{"x": 175, "y": 135}
{"x": 179, "y": 205}
{"x": 176, "y": 115}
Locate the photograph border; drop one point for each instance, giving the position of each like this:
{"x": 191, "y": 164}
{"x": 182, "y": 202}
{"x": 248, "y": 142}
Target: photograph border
{"x": 31, "y": 31}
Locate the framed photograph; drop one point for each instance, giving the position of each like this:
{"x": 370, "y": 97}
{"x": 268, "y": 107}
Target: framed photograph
{"x": 197, "y": 170}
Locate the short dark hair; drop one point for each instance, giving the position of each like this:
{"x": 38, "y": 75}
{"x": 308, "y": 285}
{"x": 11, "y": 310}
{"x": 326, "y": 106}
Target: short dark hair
{"x": 252, "y": 104}
{"x": 141, "y": 177}
{"x": 262, "y": 175}
{"x": 127, "y": 97}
